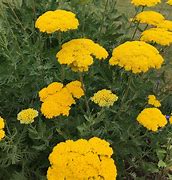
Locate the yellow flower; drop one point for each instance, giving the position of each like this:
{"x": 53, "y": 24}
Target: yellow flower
{"x": 2, "y": 124}
{"x": 27, "y": 116}
{"x": 166, "y": 24}
{"x": 153, "y": 101}
{"x": 58, "y": 20}
{"x": 148, "y": 3}
{"x": 152, "y": 119}
{"x": 2, "y": 134}
{"x": 58, "y": 99}
{"x": 50, "y": 90}
{"x": 170, "y": 120}
{"x": 157, "y": 35}
{"x": 136, "y": 56}
{"x": 78, "y": 54}
{"x": 169, "y": 2}
{"x": 104, "y": 98}
{"x": 75, "y": 89}
{"x": 82, "y": 159}
{"x": 149, "y": 17}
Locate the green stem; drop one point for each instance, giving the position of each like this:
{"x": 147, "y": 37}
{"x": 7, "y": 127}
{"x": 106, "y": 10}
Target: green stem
{"x": 85, "y": 97}
{"x": 103, "y": 17}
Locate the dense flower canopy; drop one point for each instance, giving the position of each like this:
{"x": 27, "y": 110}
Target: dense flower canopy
{"x": 157, "y": 35}
{"x": 149, "y": 17}
{"x": 169, "y": 2}
{"x": 166, "y": 24}
{"x": 136, "y": 56}
{"x": 58, "y": 20}
{"x": 81, "y": 160}
{"x": 153, "y": 101}
{"x": 148, "y": 3}
{"x": 152, "y": 119}
{"x": 57, "y": 98}
{"x": 27, "y": 116}
{"x": 79, "y": 53}
{"x": 2, "y": 125}
{"x": 104, "y": 98}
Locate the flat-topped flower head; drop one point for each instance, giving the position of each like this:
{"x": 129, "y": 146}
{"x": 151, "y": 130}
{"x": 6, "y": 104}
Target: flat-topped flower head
{"x": 157, "y": 35}
{"x": 169, "y": 2}
{"x": 166, "y": 24}
{"x": 57, "y": 99}
{"x": 152, "y": 119}
{"x": 27, "y": 116}
{"x": 2, "y": 134}
{"x": 79, "y": 53}
{"x": 147, "y": 3}
{"x": 58, "y": 20}
{"x": 150, "y": 17}
{"x": 2, "y": 124}
{"x": 82, "y": 159}
{"x": 153, "y": 101}
{"x": 136, "y": 56}
{"x": 170, "y": 119}
{"x": 104, "y": 98}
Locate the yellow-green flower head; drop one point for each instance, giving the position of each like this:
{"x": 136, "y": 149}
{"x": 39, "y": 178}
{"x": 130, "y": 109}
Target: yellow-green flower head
{"x": 104, "y": 98}
{"x": 2, "y": 124}
{"x": 58, "y": 20}
{"x": 57, "y": 99}
{"x": 147, "y": 3}
{"x": 157, "y": 35}
{"x": 2, "y": 134}
{"x": 166, "y": 24}
{"x": 79, "y": 53}
{"x": 27, "y": 116}
{"x": 153, "y": 101}
{"x": 152, "y": 119}
{"x": 82, "y": 159}
{"x": 169, "y": 2}
{"x": 150, "y": 17}
{"x": 136, "y": 56}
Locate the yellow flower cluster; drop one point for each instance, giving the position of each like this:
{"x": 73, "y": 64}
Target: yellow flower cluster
{"x": 169, "y": 2}
{"x": 157, "y": 35}
{"x": 57, "y": 98}
{"x": 147, "y": 3}
{"x": 170, "y": 120}
{"x": 136, "y": 56}
{"x": 152, "y": 119}
{"x": 78, "y": 54}
{"x": 58, "y": 20}
{"x": 166, "y": 24}
{"x": 82, "y": 160}
{"x": 104, "y": 98}
{"x": 27, "y": 116}
{"x": 153, "y": 101}
{"x": 2, "y": 125}
{"x": 150, "y": 17}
